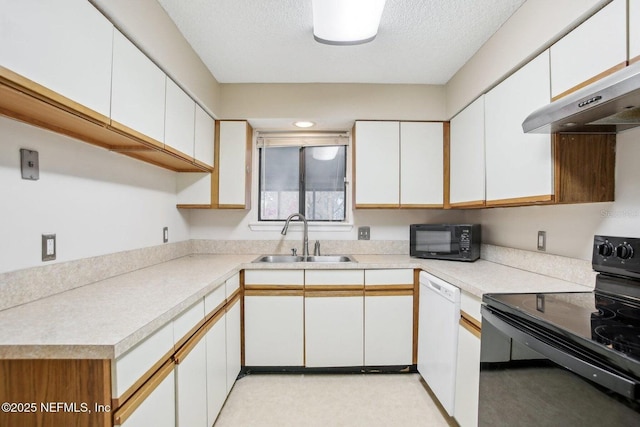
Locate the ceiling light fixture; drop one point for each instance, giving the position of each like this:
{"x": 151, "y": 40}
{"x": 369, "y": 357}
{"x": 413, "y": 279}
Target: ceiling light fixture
{"x": 304, "y": 124}
{"x": 346, "y": 22}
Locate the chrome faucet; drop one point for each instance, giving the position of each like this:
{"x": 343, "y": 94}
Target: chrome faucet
{"x": 305, "y": 237}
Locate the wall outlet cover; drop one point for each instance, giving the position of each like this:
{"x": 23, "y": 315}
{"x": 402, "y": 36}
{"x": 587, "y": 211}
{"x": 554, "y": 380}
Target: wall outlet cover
{"x": 542, "y": 240}
{"x": 165, "y": 234}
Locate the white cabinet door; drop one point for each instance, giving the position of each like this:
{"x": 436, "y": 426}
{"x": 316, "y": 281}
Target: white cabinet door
{"x": 596, "y": 46}
{"x": 158, "y": 409}
{"x": 274, "y": 331}
{"x": 634, "y": 31}
{"x": 467, "y": 379}
{"x": 204, "y": 136}
{"x": 334, "y": 331}
{"x": 519, "y": 166}
{"x": 138, "y": 90}
{"x": 191, "y": 388}
{"x": 377, "y": 164}
{"x": 216, "y": 369}
{"x": 388, "y": 330}
{"x": 234, "y": 168}
{"x": 179, "y": 122}
{"x": 467, "y": 164}
{"x": 233, "y": 344}
{"x": 421, "y": 164}
{"x": 64, "y": 46}
{"x": 334, "y": 318}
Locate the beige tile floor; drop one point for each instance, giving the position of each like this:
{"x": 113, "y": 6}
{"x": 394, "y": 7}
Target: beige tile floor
{"x": 330, "y": 401}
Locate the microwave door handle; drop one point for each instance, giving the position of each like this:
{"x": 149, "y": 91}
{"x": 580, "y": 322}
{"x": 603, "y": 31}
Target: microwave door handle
{"x": 620, "y": 384}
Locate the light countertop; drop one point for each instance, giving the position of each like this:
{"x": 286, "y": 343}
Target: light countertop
{"x": 105, "y": 319}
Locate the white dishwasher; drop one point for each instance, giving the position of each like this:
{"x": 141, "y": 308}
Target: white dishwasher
{"x": 439, "y": 318}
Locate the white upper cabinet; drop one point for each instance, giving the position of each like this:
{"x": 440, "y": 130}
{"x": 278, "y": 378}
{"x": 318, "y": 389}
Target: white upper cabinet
{"x": 421, "y": 165}
{"x": 138, "y": 95}
{"x": 235, "y": 165}
{"x": 204, "y": 137}
{"x": 597, "y": 46}
{"x": 179, "y": 124}
{"x": 467, "y": 171}
{"x": 377, "y": 164}
{"x": 64, "y": 46}
{"x": 398, "y": 164}
{"x": 519, "y": 166}
{"x": 634, "y": 31}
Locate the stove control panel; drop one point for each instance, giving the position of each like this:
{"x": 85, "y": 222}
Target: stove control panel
{"x": 617, "y": 255}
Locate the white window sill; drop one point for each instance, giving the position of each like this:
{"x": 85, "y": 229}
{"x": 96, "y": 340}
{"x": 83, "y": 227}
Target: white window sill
{"x": 313, "y": 226}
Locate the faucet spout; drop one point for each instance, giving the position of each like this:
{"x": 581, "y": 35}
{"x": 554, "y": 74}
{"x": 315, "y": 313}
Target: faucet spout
{"x": 305, "y": 236}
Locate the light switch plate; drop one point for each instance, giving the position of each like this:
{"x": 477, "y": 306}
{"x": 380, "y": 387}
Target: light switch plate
{"x": 29, "y": 164}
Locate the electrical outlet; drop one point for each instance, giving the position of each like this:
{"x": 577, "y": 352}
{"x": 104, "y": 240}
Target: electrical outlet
{"x": 48, "y": 247}
{"x": 542, "y": 240}
{"x": 364, "y": 233}
{"x": 165, "y": 234}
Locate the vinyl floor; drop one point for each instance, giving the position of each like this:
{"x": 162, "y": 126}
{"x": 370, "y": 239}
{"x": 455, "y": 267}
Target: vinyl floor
{"x": 372, "y": 400}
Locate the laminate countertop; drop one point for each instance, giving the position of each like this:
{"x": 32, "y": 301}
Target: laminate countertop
{"x": 103, "y": 320}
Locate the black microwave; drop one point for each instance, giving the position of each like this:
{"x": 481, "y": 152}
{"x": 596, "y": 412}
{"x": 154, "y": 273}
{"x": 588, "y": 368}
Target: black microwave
{"x": 459, "y": 242}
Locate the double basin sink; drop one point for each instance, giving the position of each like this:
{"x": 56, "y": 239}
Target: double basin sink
{"x": 310, "y": 258}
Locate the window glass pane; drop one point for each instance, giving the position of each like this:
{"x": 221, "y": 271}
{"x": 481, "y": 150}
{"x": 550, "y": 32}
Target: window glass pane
{"x": 324, "y": 183}
{"x": 279, "y": 182}
{"x": 324, "y": 169}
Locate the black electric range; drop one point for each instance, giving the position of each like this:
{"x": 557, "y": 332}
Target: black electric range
{"x": 594, "y": 335}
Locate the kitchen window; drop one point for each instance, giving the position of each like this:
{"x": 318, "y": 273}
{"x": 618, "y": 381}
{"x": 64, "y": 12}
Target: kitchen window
{"x": 303, "y": 174}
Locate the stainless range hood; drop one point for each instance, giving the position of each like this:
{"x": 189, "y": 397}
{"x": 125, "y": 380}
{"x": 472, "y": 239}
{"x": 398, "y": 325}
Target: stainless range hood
{"x": 609, "y": 105}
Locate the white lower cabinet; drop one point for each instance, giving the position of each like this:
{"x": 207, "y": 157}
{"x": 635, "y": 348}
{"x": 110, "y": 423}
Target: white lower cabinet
{"x": 334, "y": 331}
{"x": 216, "y": 369}
{"x": 191, "y": 388}
{"x": 388, "y": 338}
{"x": 232, "y": 326}
{"x": 274, "y": 332}
{"x": 468, "y": 362}
{"x": 467, "y": 379}
{"x": 158, "y": 409}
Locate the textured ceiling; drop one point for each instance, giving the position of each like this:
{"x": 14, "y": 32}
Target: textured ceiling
{"x": 271, "y": 41}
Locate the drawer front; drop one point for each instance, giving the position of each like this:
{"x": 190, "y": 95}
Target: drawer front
{"x": 470, "y": 304}
{"x": 274, "y": 277}
{"x": 388, "y": 277}
{"x": 186, "y": 322}
{"x": 232, "y": 284}
{"x": 214, "y": 300}
{"x": 136, "y": 362}
{"x": 334, "y": 277}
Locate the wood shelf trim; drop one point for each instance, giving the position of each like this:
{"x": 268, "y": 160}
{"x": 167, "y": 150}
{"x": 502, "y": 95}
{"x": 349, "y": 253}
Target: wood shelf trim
{"x": 387, "y": 293}
{"x": 470, "y": 326}
{"x": 273, "y": 288}
{"x": 273, "y": 293}
{"x": 520, "y": 201}
{"x": 377, "y": 206}
{"x": 334, "y": 288}
{"x": 389, "y": 287}
{"x": 125, "y": 411}
{"x": 472, "y": 204}
{"x": 421, "y": 206}
{"x": 595, "y": 78}
{"x": 334, "y": 293}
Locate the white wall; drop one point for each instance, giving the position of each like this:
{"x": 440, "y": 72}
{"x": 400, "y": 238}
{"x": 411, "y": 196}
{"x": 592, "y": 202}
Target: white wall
{"x": 570, "y": 228}
{"x": 95, "y": 201}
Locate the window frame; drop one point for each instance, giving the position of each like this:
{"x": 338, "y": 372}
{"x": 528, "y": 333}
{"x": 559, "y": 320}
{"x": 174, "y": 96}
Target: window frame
{"x": 347, "y": 225}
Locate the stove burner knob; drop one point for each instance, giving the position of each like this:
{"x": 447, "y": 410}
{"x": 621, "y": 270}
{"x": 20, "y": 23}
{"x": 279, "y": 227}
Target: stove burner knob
{"x": 605, "y": 249}
{"x": 624, "y": 251}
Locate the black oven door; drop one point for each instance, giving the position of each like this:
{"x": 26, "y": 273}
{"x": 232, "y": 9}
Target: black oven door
{"x": 529, "y": 377}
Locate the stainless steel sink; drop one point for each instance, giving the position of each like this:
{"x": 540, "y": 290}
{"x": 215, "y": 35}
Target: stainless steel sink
{"x": 292, "y": 258}
{"x": 280, "y": 258}
{"x": 330, "y": 258}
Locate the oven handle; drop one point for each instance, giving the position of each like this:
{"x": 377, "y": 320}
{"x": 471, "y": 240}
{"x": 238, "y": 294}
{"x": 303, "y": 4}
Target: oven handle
{"x": 620, "y": 384}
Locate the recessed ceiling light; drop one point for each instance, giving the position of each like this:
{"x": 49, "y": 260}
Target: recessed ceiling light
{"x": 346, "y": 22}
{"x": 304, "y": 124}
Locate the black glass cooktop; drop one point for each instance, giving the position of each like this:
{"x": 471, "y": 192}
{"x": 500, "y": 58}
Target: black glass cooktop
{"x": 606, "y": 326}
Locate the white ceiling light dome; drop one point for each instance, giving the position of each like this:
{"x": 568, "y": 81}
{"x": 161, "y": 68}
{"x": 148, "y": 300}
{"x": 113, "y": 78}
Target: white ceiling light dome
{"x": 346, "y": 22}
